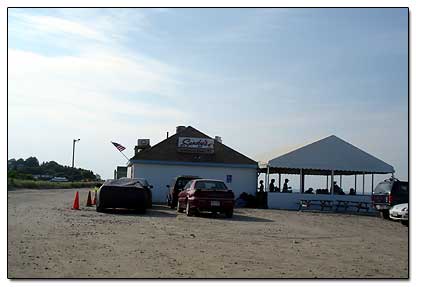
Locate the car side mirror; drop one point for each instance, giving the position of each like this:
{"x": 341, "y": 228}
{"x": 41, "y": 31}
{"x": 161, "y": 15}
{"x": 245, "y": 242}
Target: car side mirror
{"x": 151, "y": 186}
{"x": 198, "y": 189}
{"x": 229, "y": 190}
{"x": 168, "y": 186}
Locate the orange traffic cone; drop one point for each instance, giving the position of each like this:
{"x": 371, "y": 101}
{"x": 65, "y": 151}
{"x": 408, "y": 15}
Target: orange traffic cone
{"x": 76, "y": 201}
{"x": 88, "y": 201}
{"x": 94, "y": 201}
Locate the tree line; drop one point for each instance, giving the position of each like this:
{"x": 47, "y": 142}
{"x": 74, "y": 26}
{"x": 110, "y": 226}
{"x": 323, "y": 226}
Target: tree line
{"x": 30, "y": 168}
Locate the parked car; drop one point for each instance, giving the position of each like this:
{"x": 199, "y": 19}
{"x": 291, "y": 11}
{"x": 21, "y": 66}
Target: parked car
{"x": 176, "y": 186}
{"x": 206, "y": 195}
{"x": 400, "y": 212}
{"x": 130, "y": 193}
{"x": 389, "y": 193}
{"x": 59, "y": 179}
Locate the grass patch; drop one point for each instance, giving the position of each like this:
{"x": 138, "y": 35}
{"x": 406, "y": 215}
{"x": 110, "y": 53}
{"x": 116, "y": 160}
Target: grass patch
{"x": 38, "y": 184}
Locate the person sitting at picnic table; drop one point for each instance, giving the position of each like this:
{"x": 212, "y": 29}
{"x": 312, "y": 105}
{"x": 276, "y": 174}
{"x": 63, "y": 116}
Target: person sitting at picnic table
{"x": 272, "y": 187}
{"x": 285, "y": 187}
{"x": 309, "y": 190}
{"x": 352, "y": 191}
{"x": 337, "y": 189}
{"x": 261, "y": 186}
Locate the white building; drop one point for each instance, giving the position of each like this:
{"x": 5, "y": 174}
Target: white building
{"x": 190, "y": 152}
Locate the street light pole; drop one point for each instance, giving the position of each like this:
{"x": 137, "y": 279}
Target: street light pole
{"x": 73, "y": 153}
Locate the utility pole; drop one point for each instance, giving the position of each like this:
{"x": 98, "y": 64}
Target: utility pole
{"x": 73, "y": 153}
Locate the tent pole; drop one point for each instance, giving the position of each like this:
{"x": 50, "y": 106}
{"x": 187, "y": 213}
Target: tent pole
{"x": 332, "y": 181}
{"x": 363, "y": 183}
{"x": 267, "y": 178}
{"x": 301, "y": 181}
{"x": 327, "y": 183}
{"x": 372, "y": 192}
{"x": 355, "y": 181}
{"x": 341, "y": 182}
{"x": 279, "y": 181}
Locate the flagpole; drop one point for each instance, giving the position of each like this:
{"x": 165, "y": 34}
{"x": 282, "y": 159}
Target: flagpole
{"x": 125, "y": 156}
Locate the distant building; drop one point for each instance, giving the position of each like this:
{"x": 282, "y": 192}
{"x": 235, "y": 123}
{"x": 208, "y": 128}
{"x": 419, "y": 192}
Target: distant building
{"x": 191, "y": 152}
{"x": 120, "y": 171}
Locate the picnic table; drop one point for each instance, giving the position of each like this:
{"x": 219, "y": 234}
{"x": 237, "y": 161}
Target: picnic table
{"x": 352, "y": 203}
{"x": 321, "y": 203}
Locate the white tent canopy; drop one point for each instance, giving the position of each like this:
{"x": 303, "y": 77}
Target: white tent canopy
{"x": 332, "y": 154}
{"x": 328, "y": 156}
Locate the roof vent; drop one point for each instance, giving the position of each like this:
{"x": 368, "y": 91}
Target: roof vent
{"x": 179, "y": 129}
{"x": 218, "y": 139}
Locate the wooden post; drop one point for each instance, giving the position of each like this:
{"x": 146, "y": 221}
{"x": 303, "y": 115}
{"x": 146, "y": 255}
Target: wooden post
{"x": 332, "y": 182}
{"x": 267, "y": 179}
{"x": 327, "y": 183}
{"x": 363, "y": 183}
{"x": 341, "y": 185}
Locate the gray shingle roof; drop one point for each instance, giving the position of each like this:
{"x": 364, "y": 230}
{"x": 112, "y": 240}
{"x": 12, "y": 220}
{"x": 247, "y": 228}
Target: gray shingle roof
{"x": 167, "y": 151}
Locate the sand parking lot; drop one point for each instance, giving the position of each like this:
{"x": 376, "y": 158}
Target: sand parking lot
{"x": 46, "y": 239}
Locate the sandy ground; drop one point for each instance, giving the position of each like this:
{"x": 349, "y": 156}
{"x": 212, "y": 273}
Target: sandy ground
{"x": 46, "y": 239}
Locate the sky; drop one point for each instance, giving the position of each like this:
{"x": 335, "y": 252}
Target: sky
{"x": 266, "y": 80}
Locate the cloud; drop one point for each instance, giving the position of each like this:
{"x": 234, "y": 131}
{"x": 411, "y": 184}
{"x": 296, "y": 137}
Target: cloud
{"x": 84, "y": 94}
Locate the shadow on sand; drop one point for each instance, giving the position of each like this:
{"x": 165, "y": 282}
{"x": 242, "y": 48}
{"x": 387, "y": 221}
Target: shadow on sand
{"x": 159, "y": 210}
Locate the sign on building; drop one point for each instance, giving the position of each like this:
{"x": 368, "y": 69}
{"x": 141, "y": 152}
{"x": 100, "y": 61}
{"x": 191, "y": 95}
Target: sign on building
{"x": 195, "y": 145}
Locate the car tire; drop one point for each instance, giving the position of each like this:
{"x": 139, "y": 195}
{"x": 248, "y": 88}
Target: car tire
{"x": 99, "y": 208}
{"x": 179, "y": 209}
{"x": 405, "y": 222}
{"x": 173, "y": 204}
{"x": 385, "y": 214}
{"x": 229, "y": 213}
{"x": 189, "y": 211}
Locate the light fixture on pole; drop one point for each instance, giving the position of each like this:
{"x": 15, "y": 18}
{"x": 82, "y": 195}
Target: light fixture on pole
{"x": 73, "y": 154}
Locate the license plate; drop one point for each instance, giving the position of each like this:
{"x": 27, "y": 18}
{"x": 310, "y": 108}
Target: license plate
{"x": 394, "y": 213}
{"x": 215, "y": 203}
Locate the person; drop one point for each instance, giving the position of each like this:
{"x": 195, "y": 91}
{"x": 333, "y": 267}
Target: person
{"x": 337, "y": 189}
{"x": 285, "y": 187}
{"x": 261, "y": 186}
{"x": 272, "y": 187}
{"x": 310, "y": 190}
{"x": 352, "y": 191}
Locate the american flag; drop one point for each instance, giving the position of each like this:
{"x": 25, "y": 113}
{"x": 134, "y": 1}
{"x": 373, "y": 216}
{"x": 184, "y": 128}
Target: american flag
{"x": 118, "y": 146}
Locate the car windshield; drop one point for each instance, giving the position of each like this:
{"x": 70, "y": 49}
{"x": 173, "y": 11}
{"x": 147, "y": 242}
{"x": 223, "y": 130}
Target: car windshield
{"x": 210, "y": 185}
{"x": 181, "y": 182}
{"x": 383, "y": 187}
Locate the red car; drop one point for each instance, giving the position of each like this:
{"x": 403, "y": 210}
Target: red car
{"x": 206, "y": 195}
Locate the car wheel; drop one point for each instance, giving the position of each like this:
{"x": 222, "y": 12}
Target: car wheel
{"x": 405, "y": 222}
{"x": 189, "y": 211}
{"x": 385, "y": 214}
{"x": 174, "y": 203}
{"x": 229, "y": 213}
{"x": 179, "y": 209}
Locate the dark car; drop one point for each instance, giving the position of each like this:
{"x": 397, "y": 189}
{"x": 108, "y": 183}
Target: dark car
{"x": 388, "y": 193}
{"x": 130, "y": 193}
{"x": 206, "y": 195}
{"x": 176, "y": 186}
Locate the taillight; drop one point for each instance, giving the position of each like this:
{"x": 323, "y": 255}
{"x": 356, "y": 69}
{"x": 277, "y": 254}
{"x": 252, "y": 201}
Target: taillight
{"x": 390, "y": 198}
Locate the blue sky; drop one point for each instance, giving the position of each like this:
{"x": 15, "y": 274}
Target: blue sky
{"x": 266, "y": 80}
